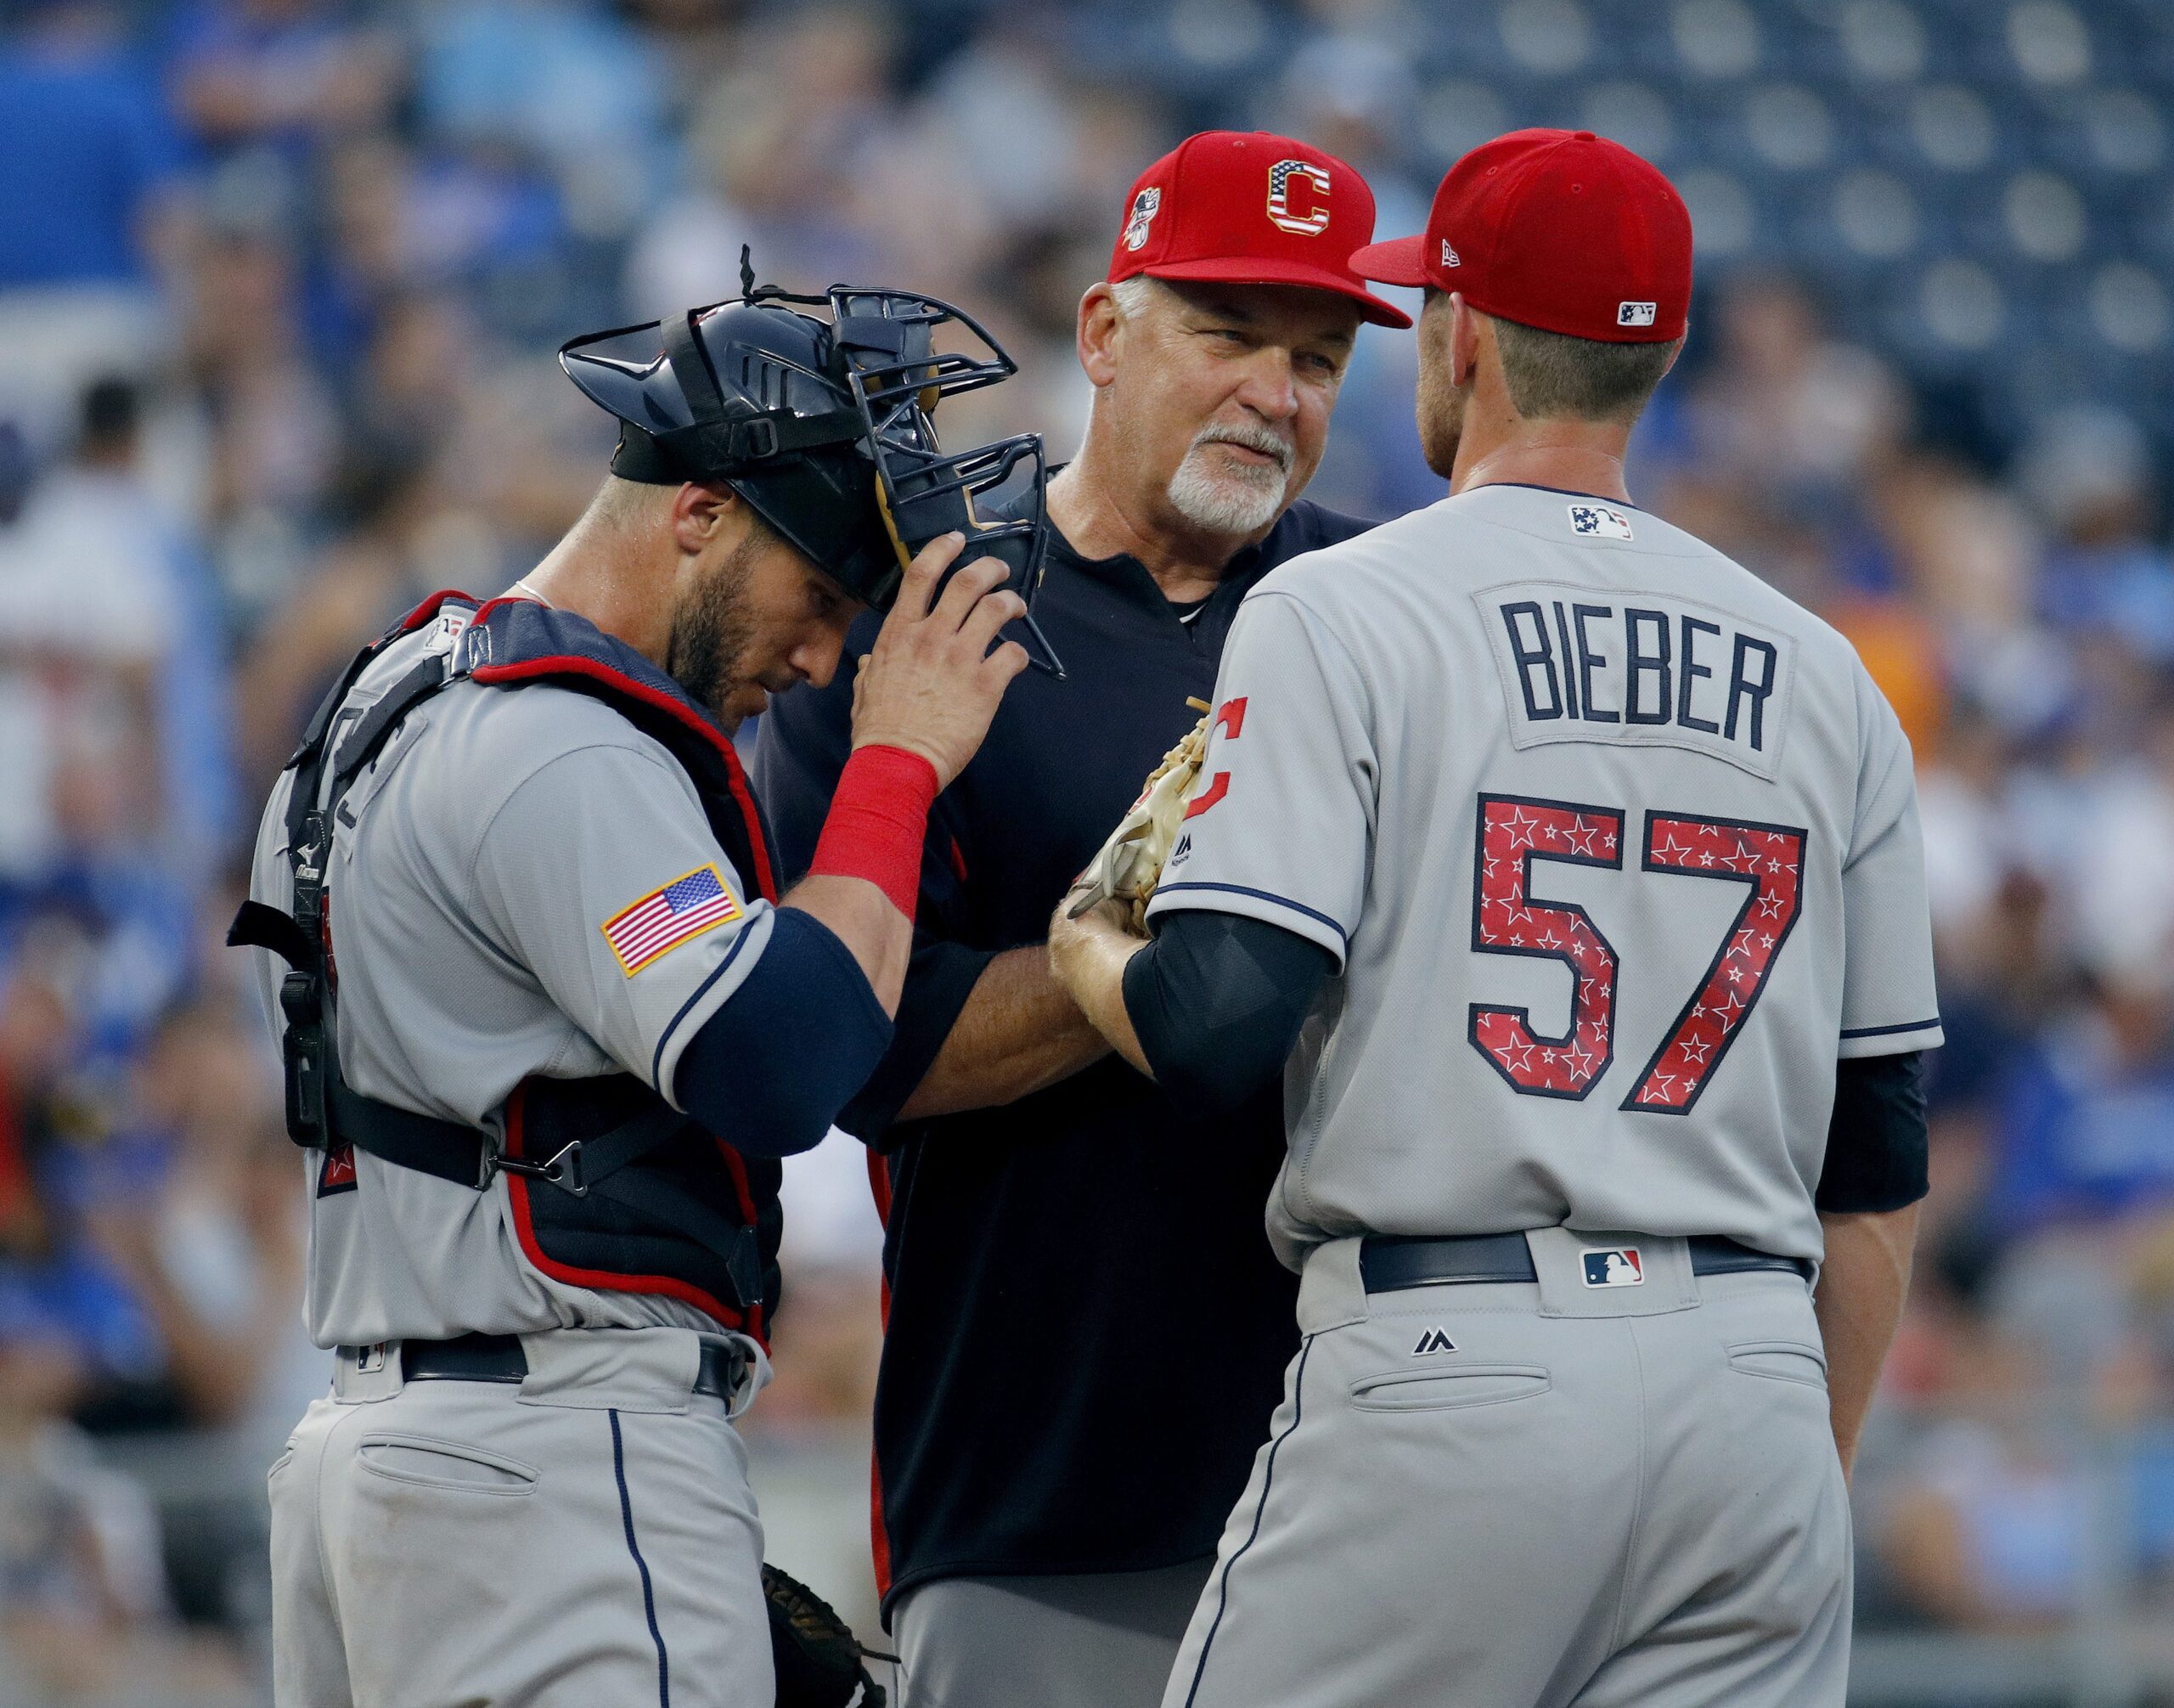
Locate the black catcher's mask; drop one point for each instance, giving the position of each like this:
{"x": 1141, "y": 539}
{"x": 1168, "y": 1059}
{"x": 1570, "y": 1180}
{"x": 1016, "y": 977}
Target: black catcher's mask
{"x": 823, "y": 427}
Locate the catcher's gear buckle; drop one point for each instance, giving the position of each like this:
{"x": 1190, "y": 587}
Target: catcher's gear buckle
{"x": 561, "y": 1169}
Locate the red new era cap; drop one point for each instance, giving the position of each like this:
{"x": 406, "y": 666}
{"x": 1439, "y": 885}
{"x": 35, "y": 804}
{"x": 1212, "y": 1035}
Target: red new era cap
{"x": 1562, "y": 230}
{"x": 1245, "y": 208}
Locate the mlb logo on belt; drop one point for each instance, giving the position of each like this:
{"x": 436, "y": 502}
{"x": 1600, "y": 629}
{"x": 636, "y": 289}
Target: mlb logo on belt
{"x": 1619, "y": 1266}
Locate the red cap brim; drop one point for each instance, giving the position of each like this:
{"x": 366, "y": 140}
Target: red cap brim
{"x": 1248, "y": 269}
{"x": 1400, "y": 261}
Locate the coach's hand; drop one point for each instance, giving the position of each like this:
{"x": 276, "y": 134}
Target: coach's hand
{"x": 932, "y": 683}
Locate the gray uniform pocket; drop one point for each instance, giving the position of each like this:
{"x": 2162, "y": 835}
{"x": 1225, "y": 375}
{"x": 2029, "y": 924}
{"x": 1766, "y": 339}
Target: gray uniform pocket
{"x": 1445, "y": 1390}
{"x": 1780, "y": 1360}
{"x": 439, "y": 1464}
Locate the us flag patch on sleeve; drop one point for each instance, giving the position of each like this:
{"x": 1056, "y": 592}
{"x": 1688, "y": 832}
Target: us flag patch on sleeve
{"x": 665, "y": 918}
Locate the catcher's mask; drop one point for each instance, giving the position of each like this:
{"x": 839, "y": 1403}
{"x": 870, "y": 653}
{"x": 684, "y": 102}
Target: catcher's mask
{"x": 823, "y": 427}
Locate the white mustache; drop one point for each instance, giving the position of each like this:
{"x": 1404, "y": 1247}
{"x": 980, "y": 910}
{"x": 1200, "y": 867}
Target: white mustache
{"x": 1254, "y": 438}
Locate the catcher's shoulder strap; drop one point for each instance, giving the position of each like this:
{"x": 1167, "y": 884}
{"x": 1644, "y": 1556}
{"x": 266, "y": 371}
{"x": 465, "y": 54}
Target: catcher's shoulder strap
{"x": 321, "y": 1110}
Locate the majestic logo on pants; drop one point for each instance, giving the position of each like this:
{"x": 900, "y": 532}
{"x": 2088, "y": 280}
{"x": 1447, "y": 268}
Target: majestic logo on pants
{"x": 1618, "y": 1267}
{"x": 1433, "y": 1341}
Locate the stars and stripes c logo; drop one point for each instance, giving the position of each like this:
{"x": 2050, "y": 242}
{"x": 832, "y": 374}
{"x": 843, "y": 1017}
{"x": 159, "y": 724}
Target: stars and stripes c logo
{"x": 1309, "y": 218}
{"x": 667, "y": 917}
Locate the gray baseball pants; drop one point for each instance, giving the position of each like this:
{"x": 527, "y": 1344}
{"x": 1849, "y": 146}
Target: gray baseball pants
{"x": 584, "y": 1537}
{"x": 1593, "y": 1496}
{"x": 1090, "y": 1640}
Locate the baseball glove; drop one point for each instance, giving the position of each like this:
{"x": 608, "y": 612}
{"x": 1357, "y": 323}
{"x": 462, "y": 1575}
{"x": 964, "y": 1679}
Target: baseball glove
{"x": 1131, "y": 863}
{"x": 818, "y": 1659}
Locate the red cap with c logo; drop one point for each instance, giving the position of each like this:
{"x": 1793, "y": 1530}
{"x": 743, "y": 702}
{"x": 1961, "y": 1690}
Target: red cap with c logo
{"x": 1245, "y": 208}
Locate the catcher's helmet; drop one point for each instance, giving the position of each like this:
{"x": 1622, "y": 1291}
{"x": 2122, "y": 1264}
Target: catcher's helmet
{"x": 823, "y": 427}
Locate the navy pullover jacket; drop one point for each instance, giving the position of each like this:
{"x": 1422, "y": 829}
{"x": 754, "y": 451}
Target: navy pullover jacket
{"x": 1086, "y": 1332}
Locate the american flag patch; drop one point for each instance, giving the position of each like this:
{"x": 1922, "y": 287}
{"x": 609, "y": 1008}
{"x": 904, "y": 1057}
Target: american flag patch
{"x": 665, "y": 918}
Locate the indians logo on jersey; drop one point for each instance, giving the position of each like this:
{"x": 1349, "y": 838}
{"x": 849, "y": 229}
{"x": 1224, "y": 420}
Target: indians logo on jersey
{"x": 1301, "y": 209}
{"x": 1619, "y": 1267}
{"x": 1142, "y": 216}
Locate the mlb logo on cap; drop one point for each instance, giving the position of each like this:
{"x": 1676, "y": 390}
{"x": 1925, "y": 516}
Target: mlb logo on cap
{"x": 1618, "y": 1267}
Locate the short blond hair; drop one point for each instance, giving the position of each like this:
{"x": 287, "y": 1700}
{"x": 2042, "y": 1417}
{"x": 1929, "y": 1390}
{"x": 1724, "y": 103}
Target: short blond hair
{"x": 1552, "y": 373}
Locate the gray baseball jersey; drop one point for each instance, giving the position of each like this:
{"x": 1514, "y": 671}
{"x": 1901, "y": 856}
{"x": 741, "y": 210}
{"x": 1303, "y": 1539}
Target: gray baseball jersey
{"x": 1617, "y": 849}
{"x": 482, "y": 875}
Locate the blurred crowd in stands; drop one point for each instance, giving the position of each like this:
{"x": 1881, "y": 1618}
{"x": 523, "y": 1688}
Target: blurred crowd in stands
{"x": 279, "y": 283}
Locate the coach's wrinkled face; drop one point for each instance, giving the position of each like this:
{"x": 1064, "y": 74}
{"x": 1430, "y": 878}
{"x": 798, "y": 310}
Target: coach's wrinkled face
{"x": 1220, "y": 394}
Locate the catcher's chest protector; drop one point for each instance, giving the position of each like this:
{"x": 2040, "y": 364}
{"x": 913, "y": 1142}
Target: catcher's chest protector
{"x": 609, "y": 1186}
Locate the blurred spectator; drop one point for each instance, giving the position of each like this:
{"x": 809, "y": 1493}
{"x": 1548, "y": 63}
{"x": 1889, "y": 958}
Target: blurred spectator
{"x": 192, "y": 1203}
{"x": 79, "y": 1547}
{"x": 89, "y": 617}
{"x": 88, "y": 166}
{"x": 2087, "y": 473}
{"x": 1795, "y": 416}
{"x": 86, "y": 153}
{"x": 278, "y": 73}
{"x": 780, "y": 150}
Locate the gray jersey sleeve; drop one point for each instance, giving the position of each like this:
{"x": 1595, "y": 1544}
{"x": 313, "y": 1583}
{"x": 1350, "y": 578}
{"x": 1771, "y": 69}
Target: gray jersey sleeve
{"x": 1282, "y": 819}
{"x": 1888, "y": 999}
{"x": 600, "y": 874}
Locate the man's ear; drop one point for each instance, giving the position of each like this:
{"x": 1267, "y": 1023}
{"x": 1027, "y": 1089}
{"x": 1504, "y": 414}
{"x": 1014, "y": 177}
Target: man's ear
{"x": 701, "y": 510}
{"x": 1465, "y": 335}
{"x": 1097, "y": 335}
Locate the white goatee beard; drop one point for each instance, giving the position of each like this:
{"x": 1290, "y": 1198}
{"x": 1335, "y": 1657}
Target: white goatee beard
{"x": 1230, "y": 501}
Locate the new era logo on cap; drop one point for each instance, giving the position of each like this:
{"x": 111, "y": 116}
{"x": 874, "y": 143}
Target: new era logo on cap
{"x": 1617, "y": 1267}
{"x": 1635, "y": 313}
{"x": 1450, "y": 257}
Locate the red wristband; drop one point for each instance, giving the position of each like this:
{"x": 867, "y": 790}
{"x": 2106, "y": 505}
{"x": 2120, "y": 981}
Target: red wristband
{"x": 877, "y": 820}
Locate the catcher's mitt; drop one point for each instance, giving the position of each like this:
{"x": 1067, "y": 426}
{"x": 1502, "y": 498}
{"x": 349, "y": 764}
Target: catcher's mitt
{"x": 817, "y": 1658}
{"x": 1131, "y": 863}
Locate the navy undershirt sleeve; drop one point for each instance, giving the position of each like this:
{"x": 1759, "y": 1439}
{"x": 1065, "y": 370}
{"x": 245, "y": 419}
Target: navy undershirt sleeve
{"x": 1217, "y": 1001}
{"x": 1876, "y": 1145}
{"x": 773, "y": 1067}
{"x": 802, "y": 745}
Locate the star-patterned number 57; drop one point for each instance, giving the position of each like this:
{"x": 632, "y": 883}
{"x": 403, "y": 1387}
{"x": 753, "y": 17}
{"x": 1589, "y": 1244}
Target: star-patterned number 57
{"x": 1513, "y": 833}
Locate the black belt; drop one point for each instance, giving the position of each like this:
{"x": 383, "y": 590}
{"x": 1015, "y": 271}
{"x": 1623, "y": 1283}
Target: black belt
{"x": 499, "y": 1358}
{"x": 1388, "y": 1263}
